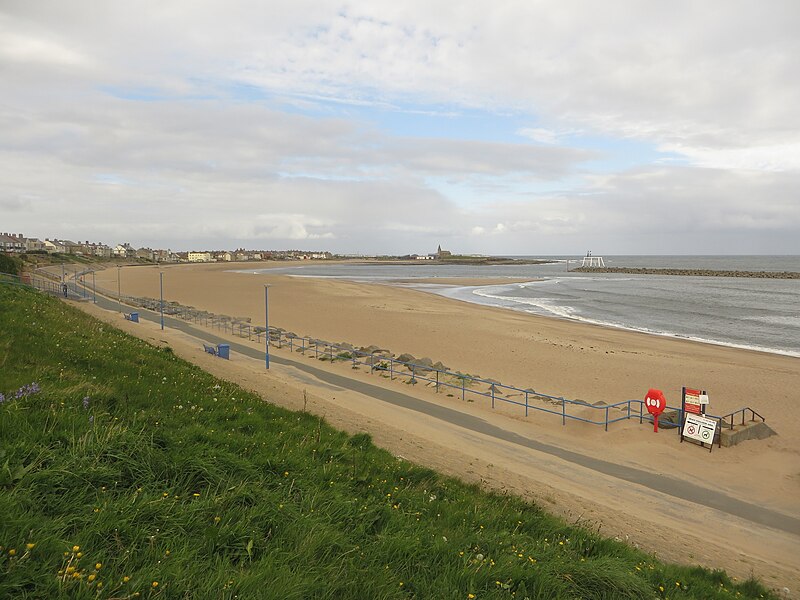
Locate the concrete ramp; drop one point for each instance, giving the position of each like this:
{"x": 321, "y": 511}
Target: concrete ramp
{"x": 752, "y": 430}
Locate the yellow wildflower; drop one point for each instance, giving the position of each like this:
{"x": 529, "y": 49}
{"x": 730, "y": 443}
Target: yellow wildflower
{"x": 98, "y": 566}
{"x": 12, "y": 552}
{"x": 30, "y": 546}
{"x": 155, "y": 584}
{"x": 76, "y": 548}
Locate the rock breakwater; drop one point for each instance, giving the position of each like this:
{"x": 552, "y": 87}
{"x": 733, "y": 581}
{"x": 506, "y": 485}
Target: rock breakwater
{"x": 691, "y": 272}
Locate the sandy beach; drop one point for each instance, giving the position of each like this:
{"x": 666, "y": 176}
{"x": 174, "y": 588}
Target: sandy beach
{"x": 557, "y": 357}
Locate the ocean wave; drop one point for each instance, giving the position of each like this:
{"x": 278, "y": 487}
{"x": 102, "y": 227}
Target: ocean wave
{"x": 546, "y": 307}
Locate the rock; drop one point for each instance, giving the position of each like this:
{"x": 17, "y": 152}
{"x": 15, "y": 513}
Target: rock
{"x": 406, "y": 358}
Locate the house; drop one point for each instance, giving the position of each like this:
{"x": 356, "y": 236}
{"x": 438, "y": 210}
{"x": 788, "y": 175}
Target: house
{"x": 54, "y": 246}
{"x": 423, "y": 257}
{"x": 225, "y": 256}
{"x": 199, "y": 257}
{"x": 34, "y": 245}
{"x": 12, "y": 242}
{"x": 124, "y": 251}
{"x": 165, "y": 256}
{"x": 145, "y": 253}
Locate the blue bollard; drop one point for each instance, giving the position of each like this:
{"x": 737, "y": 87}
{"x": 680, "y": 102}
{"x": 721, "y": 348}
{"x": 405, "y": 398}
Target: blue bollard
{"x": 224, "y": 351}
{"x": 135, "y": 317}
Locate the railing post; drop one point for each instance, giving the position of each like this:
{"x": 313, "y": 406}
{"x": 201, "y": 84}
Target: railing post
{"x": 492, "y": 388}
{"x": 463, "y": 386}
{"x": 606, "y": 418}
{"x": 437, "y": 382}
{"x": 391, "y": 369}
{"x": 563, "y": 411}
{"x": 526, "y": 403}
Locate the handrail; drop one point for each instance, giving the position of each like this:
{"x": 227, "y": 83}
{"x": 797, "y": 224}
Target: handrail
{"x": 753, "y": 415}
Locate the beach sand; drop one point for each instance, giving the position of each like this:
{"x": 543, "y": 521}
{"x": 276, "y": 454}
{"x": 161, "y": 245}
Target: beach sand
{"x": 557, "y": 357}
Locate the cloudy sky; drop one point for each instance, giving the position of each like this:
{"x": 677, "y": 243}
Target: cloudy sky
{"x": 531, "y": 127}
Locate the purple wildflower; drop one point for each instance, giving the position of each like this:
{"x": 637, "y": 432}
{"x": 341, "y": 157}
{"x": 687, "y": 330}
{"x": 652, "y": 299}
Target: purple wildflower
{"x": 27, "y": 390}
{"x": 2, "y": 398}
{"x": 91, "y": 418}
{"x": 86, "y": 402}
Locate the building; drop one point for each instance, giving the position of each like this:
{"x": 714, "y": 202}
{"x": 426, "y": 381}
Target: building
{"x": 124, "y": 251}
{"x": 145, "y": 254}
{"x": 34, "y": 245}
{"x": 12, "y": 242}
{"x": 199, "y": 257}
{"x": 442, "y": 253}
{"x": 54, "y": 246}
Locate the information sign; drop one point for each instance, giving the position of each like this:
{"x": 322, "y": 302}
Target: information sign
{"x": 699, "y": 428}
{"x": 691, "y": 401}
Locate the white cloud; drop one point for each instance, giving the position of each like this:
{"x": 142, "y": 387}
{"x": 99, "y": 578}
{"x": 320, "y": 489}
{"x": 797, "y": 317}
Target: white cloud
{"x": 209, "y": 114}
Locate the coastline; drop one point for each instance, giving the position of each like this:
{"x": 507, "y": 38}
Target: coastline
{"x": 558, "y": 356}
{"x": 454, "y": 291}
{"x": 581, "y": 361}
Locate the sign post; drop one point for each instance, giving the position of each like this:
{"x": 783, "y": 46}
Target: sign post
{"x": 655, "y": 403}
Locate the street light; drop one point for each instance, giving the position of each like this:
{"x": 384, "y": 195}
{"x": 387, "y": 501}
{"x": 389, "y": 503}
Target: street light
{"x": 266, "y": 324}
{"x": 119, "y": 294}
{"x": 94, "y": 289}
{"x": 161, "y": 284}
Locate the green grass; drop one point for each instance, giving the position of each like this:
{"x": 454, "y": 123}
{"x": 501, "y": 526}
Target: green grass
{"x": 132, "y": 459}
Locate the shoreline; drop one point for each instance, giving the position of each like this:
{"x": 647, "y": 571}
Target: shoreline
{"x": 591, "y": 360}
{"x": 558, "y": 356}
{"x": 598, "y": 323}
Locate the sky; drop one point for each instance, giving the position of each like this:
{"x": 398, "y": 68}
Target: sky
{"x": 384, "y": 127}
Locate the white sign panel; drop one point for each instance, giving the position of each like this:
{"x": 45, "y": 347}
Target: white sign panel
{"x": 699, "y": 428}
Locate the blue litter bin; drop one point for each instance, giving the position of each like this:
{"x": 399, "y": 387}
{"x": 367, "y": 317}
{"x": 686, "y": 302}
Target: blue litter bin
{"x": 224, "y": 351}
{"x": 135, "y": 317}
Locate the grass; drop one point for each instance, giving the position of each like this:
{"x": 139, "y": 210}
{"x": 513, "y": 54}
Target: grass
{"x": 126, "y": 472}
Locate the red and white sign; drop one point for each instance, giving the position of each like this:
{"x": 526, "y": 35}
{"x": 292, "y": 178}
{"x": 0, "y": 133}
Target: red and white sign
{"x": 691, "y": 401}
{"x": 655, "y": 403}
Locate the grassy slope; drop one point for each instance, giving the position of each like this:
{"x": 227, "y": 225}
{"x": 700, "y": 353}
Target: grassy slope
{"x": 139, "y": 462}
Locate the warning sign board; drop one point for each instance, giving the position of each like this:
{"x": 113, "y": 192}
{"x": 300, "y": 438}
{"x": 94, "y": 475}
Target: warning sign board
{"x": 691, "y": 401}
{"x": 699, "y": 428}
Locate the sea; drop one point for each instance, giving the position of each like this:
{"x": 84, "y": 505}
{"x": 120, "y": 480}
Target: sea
{"x": 756, "y": 314}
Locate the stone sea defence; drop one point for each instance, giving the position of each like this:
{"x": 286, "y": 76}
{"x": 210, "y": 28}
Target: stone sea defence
{"x": 691, "y": 272}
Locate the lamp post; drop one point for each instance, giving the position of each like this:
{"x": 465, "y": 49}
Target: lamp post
{"x": 266, "y": 325}
{"x": 119, "y": 294}
{"x": 94, "y": 289}
{"x": 161, "y": 285}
